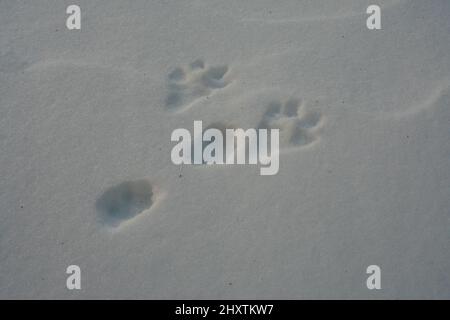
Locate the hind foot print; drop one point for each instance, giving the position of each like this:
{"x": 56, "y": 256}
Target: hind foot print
{"x": 298, "y": 128}
{"x": 188, "y": 84}
{"x": 124, "y": 202}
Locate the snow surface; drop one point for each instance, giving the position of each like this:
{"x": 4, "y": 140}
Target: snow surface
{"x": 86, "y": 176}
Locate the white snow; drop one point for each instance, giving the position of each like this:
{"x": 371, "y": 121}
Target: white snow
{"x": 84, "y": 112}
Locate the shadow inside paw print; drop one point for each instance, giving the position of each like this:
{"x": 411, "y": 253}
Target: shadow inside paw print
{"x": 297, "y": 127}
{"x": 188, "y": 84}
{"x": 124, "y": 201}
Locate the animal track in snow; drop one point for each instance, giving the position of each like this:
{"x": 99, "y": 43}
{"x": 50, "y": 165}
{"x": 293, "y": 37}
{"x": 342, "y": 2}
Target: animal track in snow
{"x": 125, "y": 201}
{"x": 298, "y": 128}
{"x": 188, "y": 84}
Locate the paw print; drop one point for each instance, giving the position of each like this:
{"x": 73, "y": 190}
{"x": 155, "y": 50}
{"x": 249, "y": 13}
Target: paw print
{"x": 125, "y": 202}
{"x": 196, "y": 81}
{"x": 298, "y": 128}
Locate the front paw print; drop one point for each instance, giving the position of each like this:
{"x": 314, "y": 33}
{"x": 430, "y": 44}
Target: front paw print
{"x": 298, "y": 128}
{"x": 188, "y": 84}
